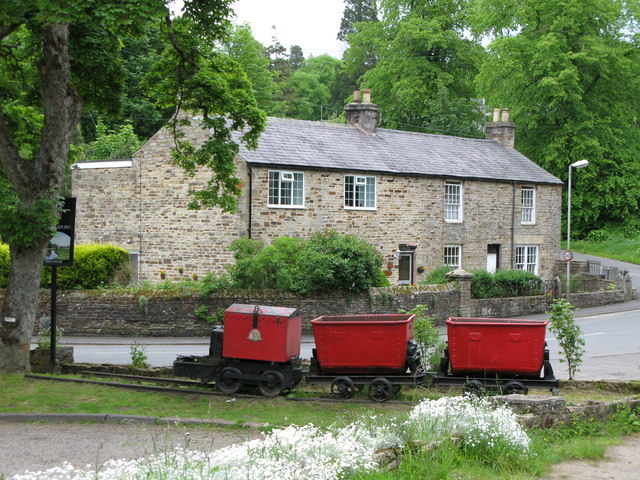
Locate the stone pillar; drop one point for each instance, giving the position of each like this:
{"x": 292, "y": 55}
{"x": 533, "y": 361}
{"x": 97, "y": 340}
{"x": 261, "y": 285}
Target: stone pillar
{"x": 627, "y": 286}
{"x": 464, "y": 281}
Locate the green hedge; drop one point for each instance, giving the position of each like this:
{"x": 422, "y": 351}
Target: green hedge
{"x": 505, "y": 283}
{"x": 94, "y": 266}
{"x": 5, "y": 263}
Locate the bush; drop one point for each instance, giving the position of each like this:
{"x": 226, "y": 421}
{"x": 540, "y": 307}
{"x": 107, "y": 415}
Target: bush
{"x": 5, "y": 265}
{"x": 438, "y": 275}
{"x": 327, "y": 261}
{"x": 94, "y": 266}
{"x": 504, "y": 283}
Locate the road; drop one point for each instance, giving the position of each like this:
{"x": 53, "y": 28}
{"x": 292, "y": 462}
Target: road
{"x": 612, "y": 335}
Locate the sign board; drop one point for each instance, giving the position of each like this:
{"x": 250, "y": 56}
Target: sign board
{"x": 568, "y": 256}
{"x": 60, "y": 248}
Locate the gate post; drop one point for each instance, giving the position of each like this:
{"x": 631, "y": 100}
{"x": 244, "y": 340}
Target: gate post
{"x": 464, "y": 281}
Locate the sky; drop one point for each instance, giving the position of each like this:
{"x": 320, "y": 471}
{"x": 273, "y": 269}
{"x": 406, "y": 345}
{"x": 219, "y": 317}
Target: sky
{"x": 312, "y": 24}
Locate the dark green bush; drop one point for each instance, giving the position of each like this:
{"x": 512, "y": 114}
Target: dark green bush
{"x": 517, "y": 283}
{"x": 504, "y": 283}
{"x": 483, "y": 285}
{"x": 5, "y": 264}
{"x": 94, "y": 266}
{"x": 437, "y": 275}
{"x": 327, "y": 261}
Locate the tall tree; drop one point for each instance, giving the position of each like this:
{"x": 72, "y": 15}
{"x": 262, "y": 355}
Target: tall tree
{"x": 570, "y": 72}
{"x": 254, "y": 59}
{"x": 356, "y": 11}
{"x": 420, "y": 66}
{"x": 60, "y": 59}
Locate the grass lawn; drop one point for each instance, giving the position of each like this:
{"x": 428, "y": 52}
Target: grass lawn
{"x": 618, "y": 248}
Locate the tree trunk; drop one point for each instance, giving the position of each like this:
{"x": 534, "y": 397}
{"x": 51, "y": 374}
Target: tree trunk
{"x": 20, "y": 306}
{"x": 37, "y": 180}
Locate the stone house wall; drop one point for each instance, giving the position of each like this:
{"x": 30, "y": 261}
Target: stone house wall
{"x": 143, "y": 209}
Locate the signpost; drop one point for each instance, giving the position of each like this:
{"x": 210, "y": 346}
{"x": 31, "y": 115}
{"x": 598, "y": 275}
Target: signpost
{"x": 60, "y": 253}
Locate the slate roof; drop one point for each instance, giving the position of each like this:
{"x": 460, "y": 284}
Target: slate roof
{"x": 306, "y": 144}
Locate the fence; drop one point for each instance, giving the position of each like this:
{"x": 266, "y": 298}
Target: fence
{"x": 595, "y": 267}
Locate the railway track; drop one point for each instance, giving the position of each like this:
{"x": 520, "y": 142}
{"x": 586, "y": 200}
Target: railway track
{"x": 190, "y": 387}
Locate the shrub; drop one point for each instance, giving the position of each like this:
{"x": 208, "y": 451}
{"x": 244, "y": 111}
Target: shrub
{"x": 483, "y": 285}
{"x": 568, "y": 333}
{"x": 327, "y": 261}
{"x": 94, "y": 266}
{"x": 438, "y": 275}
{"x": 5, "y": 265}
{"x": 430, "y": 344}
{"x": 504, "y": 283}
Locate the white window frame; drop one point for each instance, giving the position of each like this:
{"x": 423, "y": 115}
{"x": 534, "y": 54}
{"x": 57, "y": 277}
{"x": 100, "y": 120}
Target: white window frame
{"x": 277, "y": 179}
{"x": 453, "y": 202}
{"x": 364, "y": 192}
{"x": 451, "y": 253}
{"x": 528, "y": 205}
{"x": 527, "y": 258}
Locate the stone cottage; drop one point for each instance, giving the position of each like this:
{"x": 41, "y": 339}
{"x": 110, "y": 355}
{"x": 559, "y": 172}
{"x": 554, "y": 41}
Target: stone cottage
{"x": 423, "y": 200}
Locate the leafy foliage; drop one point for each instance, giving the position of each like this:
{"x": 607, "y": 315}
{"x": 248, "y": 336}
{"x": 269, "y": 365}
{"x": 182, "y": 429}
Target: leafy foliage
{"x": 327, "y": 261}
{"x": 430, "y": 344}
{"x": 94, "y": 266}
{"x": 570, "y": 72}
{"x": 5, "y": 264}
{"x": 419, "y": 66}
{"x": 437, "y": 276}
{"x": 504, "y": 283}
{"x": 568, "y": 333}
{"x": 112, "y": 144}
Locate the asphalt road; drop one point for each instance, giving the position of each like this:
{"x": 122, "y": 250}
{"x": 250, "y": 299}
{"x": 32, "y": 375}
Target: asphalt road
{"x": 612, "y": 335}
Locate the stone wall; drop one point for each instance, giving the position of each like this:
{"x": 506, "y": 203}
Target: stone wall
{"x": 144, "y": 209}
{"x": 171, "y": 313}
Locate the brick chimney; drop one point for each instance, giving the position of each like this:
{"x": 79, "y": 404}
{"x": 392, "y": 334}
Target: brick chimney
{"x": 501, "y": 129}
{"x": 363, "y": 114}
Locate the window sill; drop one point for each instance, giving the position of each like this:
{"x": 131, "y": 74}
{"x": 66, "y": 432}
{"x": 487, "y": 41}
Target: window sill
{"x": 295, "y": 207}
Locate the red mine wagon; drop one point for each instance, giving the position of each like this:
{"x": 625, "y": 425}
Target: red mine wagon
{"x": 360, "y": 344}
{"x": 501, "y": 346}
{"x": 253, "y": 332}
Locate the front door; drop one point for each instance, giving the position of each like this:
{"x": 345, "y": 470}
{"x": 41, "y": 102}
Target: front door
{"x": 493, "y": 258}
{"x": 405, "y": 264}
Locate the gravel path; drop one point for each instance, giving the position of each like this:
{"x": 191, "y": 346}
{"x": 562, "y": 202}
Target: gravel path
{"x": 39, "y": 446}
{"x": 621, "y": 462}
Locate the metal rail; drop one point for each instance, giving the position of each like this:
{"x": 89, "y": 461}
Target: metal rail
{"x": 189, "y": 391}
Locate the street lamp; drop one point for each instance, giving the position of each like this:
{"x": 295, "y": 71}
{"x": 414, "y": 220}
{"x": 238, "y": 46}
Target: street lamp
{"x": 568, "y": 256}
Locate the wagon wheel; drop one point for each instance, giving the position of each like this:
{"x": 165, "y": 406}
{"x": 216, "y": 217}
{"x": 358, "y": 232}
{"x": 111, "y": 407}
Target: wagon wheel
{"x": 343, "y": 387}
{"x": 229, "y": 380}
{"x": 514, "y": 387}
{"x": 473, "y": 387}
{"x": 271, "y": 383}
{"x": 380, "y": 390}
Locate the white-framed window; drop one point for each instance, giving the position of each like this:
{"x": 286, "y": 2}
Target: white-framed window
{"x": 453, "y": 256}
{"x": 359, "y": 192}
{"x": 286, "y": 189}
{"x": 453, "y": 201}
{"x": 527, "y": 258}
{"x": 528, "y": 205}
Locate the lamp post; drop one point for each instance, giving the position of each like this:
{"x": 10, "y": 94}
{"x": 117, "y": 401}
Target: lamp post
{"x": 568, "y": 255}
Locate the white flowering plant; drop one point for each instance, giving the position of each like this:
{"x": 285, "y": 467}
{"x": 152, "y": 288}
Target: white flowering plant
{"x": 313, "y": 453}
{"x": 485, "y": 429}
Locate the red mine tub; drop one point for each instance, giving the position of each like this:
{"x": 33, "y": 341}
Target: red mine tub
{"x": 360, "y": 344}
{"x": 498, "y": 346}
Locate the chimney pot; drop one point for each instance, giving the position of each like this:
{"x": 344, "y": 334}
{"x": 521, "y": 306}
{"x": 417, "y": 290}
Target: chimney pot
{"x": 501, "y": 129}
{"x": 364, "y": 115}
